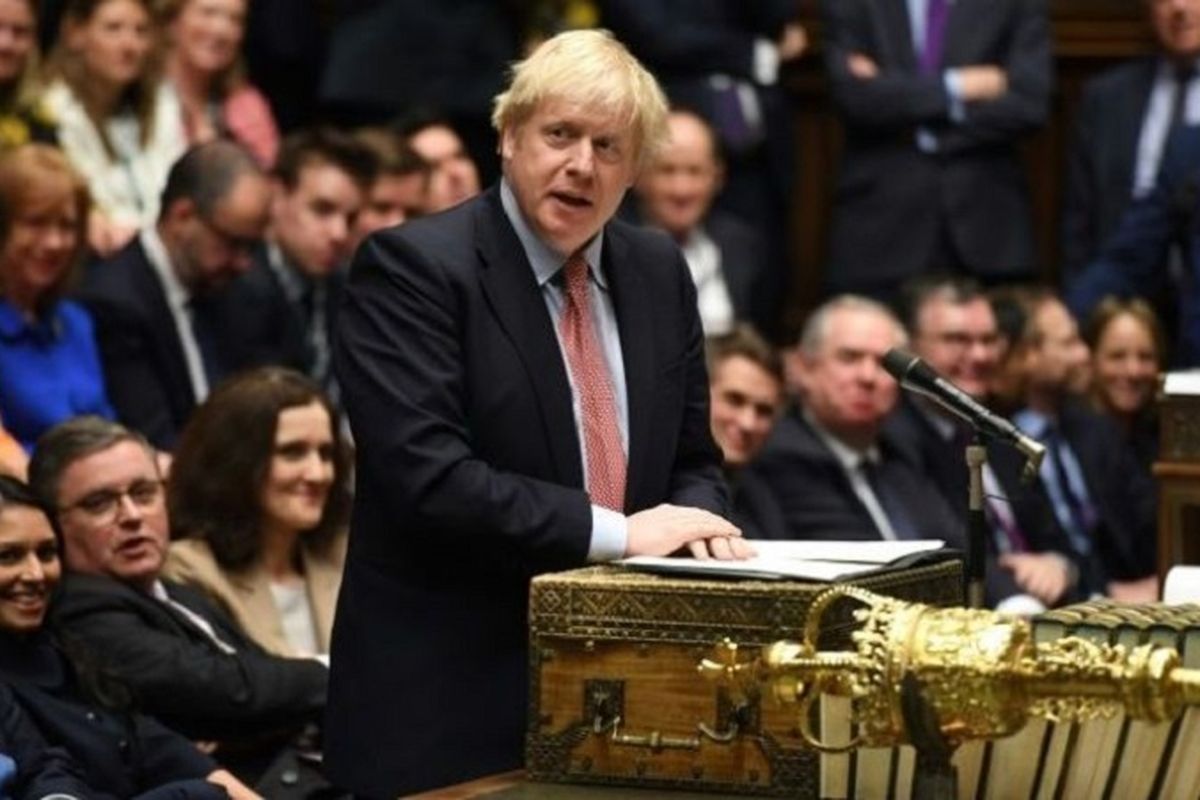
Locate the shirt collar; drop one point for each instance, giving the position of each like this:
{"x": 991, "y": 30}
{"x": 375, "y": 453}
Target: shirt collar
{"x": 847, "y": 456}
{"x": 545, "y": 261}
{"x": 178, "y": 295}
{"x": 296, "y": 284}
{"x": 1035, "y": 424}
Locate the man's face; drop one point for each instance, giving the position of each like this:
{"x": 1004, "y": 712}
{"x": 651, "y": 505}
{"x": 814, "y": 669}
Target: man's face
{"x": 113, "y": 516}
{"x": 569, "y": 166}
{"x": 745, "y": 399}
{"x": 209, "y": 252}
{"x": 1176, "y": 24}
{"x": 393, "y": 199}
{"x": 679, "y": 186}
{"x": 843, "y": 384}
{"x": 1059, "y": 362}
{"x": 313, "y": 221}
{"x": 959, "y": 340}
{"x": 453, "y": 177}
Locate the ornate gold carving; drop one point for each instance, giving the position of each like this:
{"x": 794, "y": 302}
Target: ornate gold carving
{"x": 980, "y": 672}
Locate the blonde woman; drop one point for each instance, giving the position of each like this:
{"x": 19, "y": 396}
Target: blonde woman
{"x": 118, "y": 124}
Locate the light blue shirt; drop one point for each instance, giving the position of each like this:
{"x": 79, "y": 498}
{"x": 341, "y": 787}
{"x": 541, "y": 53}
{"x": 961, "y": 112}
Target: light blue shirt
{"x": 926, "y": 139}
{"x": 1037, "y": 425}
{"x": 609, "y": 528}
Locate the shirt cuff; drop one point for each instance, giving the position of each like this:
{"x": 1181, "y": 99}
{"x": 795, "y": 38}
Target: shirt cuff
{"x": 766, "y": 62}
{"x": 953, "y": 84}
{"x": 610, "y": 535}
{"x": 1023, "y": 604}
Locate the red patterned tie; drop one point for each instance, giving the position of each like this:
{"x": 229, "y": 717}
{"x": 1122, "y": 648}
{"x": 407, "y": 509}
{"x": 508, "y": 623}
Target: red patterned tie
{"x": 597, "y": 408}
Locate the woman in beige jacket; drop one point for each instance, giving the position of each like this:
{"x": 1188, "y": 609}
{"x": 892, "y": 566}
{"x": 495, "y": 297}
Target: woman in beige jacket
{"x": 258, "y": 497}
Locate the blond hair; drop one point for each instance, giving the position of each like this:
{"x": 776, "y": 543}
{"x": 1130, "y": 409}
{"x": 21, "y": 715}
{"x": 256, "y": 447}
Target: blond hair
{"x": 592, "y": 68}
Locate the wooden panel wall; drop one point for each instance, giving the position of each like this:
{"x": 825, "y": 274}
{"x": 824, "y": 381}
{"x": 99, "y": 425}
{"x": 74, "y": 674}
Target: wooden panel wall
{"x": 1089, "y": 35}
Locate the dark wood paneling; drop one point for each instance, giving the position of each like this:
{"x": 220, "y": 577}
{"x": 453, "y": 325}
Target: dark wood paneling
{"x": 1089, "y": 35}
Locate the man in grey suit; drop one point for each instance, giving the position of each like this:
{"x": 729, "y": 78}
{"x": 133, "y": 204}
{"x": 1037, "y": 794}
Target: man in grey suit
{"x": 934, "y": 95}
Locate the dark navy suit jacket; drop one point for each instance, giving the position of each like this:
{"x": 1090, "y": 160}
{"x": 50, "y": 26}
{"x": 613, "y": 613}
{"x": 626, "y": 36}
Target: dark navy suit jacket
{"x": 1134, "y": 260}
{"x": 470, "y": 479}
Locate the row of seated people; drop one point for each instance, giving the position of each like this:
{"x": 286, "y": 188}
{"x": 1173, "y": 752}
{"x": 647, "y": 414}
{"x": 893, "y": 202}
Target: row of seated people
{"x": 222, "y": 635}
{"x": 834, "y": 451}
{"x": 144, "y": 335}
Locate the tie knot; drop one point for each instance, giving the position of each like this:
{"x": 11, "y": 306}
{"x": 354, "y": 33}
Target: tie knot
{"x": 1184, "y": 73}
{"x": 575, "y": 275}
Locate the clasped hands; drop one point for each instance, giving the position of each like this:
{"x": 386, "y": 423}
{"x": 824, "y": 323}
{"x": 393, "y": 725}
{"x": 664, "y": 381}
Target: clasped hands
{"x": 664, "y": 529}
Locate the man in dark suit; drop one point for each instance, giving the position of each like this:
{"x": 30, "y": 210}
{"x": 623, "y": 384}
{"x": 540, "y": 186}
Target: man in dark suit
{"x": 934, "y": 95}
{"x": 836, "y": 463}
{"x": 953, "y": 329}
{"x": 1135, "y": 261}
{"x": 162, "y": 341}
{"x": 321, "y": 180}
{"x": 525, "y": 381}
{"x": 1088, "y": 476}
{"x": 1125, "y": 117}
{"x": 745, "y": 378}
{"x": 185, "y": 661}
{"x": 727, "y": 258}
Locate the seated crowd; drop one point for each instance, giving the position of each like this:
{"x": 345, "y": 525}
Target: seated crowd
{"x": 171, "y": 269}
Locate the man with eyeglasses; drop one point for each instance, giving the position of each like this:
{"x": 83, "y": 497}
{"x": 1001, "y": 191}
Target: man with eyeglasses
{"x": 185, "y": 661}
{"x": 953, "y": 329}
{"x": 164, "y": 339}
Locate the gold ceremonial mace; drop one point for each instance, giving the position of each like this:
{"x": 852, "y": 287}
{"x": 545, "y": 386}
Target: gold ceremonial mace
{"x": 937, "y": 677}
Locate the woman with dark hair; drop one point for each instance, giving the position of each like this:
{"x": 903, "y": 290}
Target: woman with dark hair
{"x": 259, "y": 496}
{"x": 22, "y": 118}
{"x": 118, "y": 754}
{"x": 204, "y": 68}
{"x": 49, "y": 362}
{"x": 117, "y": 122}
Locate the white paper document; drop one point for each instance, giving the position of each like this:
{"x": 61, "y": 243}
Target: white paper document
{"x": 800, "y": 560}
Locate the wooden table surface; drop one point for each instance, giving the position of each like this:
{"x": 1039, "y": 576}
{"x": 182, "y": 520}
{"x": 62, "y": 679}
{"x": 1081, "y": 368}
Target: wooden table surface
{"x": 514, "y": 786}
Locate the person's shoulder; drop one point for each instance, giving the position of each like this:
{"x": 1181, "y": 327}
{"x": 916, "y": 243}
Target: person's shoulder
{"x": 188, "y": 559}
{"x": 121, "y": 275}
{"x": 1118, "y": 79}
{"x": 447, "y": 237}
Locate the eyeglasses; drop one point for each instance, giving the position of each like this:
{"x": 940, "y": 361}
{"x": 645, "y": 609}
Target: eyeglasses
{"x": 104, "y": 505}
{"x": 238, "y": 244}
{"x": 961, "y": 341}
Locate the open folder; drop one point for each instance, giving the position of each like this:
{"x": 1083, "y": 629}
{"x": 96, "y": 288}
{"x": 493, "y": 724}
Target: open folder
{"x": 801, "y": 560}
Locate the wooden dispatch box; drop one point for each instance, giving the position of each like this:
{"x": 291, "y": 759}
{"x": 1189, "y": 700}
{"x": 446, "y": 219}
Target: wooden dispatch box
{"x": 616, "y": 698}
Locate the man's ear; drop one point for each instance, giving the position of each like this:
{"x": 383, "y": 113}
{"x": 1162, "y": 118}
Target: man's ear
{"x": 507, "y": 143}
{"x": 795, "y": 371}
{"x": 181, "y": 211}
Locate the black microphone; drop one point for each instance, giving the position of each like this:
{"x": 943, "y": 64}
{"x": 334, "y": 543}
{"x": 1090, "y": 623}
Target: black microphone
{"x": 915, "y": 375}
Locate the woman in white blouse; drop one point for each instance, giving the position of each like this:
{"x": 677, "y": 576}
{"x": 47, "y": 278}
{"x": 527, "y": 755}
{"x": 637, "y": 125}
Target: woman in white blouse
{"x": 259, "y": 498}
{"x": 117, "y": 123}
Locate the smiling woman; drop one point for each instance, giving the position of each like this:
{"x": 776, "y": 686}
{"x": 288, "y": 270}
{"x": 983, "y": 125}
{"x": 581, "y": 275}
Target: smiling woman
{"x": 116, "y": 753}
{"x": 203, "y": 67}
{"x": 259, "y": 495}
{"x": 49, "y": 364}
{"x": 117, "y": 123}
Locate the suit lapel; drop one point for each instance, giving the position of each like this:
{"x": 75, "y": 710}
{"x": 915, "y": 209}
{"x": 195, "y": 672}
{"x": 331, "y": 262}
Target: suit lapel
{"x": 515, "y": 298}
{"x": 635, "y": 320}
{"x": 162, "y": 321}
